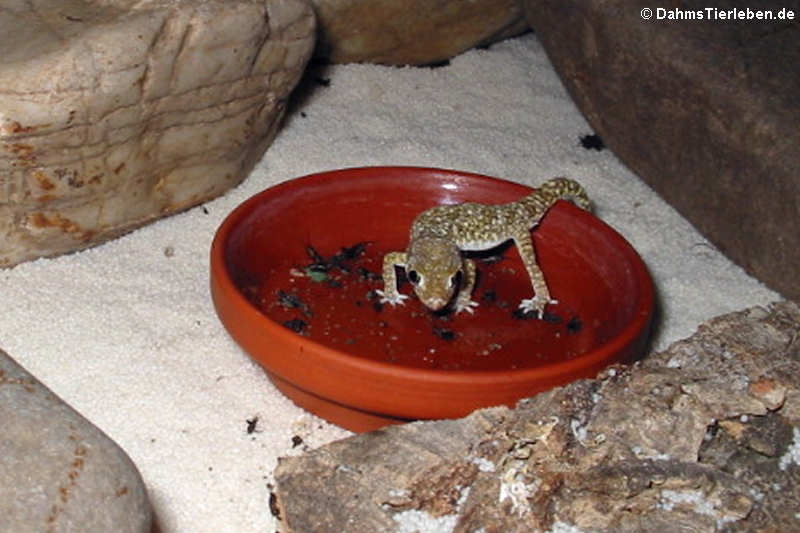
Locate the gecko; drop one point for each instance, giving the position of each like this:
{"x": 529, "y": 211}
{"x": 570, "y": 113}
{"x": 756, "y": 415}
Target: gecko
{"x": 434, "y": 262}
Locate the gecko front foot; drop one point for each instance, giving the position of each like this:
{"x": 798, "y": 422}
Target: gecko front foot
{"x": 536, "y": 304}
{"x": 392, "y": 298}
{"x": 468, "y": 306}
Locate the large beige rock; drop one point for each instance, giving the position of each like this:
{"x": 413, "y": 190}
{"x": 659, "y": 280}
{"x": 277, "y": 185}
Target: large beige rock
{"x": 117, "y": 112}
{"x": 58, "y": 472}
{"x": 411, "y": 32}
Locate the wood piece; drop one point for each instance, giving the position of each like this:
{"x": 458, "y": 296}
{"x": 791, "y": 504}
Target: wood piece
{"x": 411, "y": 32}
{"x": 703, "y": 109}
{"x": 703, "y": 435}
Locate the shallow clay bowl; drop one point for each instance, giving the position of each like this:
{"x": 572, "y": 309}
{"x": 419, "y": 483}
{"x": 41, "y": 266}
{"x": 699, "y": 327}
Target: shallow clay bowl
{"x": 428, "y": 368}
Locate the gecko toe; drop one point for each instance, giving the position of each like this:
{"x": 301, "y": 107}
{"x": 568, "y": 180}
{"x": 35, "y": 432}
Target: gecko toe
{"x": 469, "y": 307}
{"x": 534, "y": 304}
{"x": 391, "y": 299}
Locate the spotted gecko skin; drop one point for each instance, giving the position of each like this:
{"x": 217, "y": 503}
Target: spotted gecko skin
{"x": 434, "y": 263}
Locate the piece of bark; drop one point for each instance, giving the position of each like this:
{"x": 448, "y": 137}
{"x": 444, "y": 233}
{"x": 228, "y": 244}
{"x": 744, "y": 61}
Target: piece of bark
{"x": 704, "y": 436}
{"x": 116, "y": 113}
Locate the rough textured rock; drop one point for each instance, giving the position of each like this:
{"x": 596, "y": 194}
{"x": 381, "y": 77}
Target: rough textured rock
{"x": 114, "y": 113}
{"x": 411, "y": 32}
{"x": 704, "y": 111}
{"x": 58, "y": 472}
{"x": 704, "y": 436}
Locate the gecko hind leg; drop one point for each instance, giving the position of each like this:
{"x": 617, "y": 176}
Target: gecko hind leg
{"x": 541, "y": 294}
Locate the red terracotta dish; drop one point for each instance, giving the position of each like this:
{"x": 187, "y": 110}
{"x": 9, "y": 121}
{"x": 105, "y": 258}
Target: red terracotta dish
{"x": 329, "y": 345}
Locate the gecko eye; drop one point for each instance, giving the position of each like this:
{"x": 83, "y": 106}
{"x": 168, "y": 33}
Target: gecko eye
{"x": 455, "y": 279}
{"x": 414, "y": 277}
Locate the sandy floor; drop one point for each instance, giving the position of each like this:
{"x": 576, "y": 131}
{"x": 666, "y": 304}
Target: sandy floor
{"x": 126, "y": 332}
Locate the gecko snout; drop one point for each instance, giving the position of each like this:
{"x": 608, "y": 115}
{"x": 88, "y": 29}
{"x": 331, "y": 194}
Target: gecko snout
{"x": 434, "y": 291}
{"x": 435, "y": 304}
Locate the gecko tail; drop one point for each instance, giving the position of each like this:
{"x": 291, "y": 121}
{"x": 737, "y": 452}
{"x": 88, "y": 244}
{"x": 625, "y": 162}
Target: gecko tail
{"x": 565, "y": 189}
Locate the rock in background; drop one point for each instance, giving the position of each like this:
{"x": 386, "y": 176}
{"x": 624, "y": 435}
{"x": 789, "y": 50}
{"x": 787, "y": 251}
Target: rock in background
{"x": 704, "y": 436}
{"x": 58, "y": 472}
{"x": 705, "y": 111}
{"x": 116, "y": 113}
{"x": 411, "y": 32}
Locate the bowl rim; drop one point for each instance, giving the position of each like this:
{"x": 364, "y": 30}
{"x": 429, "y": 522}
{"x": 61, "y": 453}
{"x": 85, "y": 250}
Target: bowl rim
{"x": 641, "y": 319}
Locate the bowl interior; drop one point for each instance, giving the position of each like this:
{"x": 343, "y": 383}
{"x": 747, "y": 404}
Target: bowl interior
{"x": 604, "y": 291}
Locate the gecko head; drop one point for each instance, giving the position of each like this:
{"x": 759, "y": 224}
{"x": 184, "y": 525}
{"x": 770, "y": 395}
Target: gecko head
{"x": 434, "y": 267}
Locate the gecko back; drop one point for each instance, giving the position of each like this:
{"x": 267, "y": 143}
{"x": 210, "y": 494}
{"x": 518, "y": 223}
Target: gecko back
{"x": 434, "y": 262}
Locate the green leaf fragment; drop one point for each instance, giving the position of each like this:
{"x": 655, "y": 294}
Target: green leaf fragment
{"x": 316, "y": 275}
